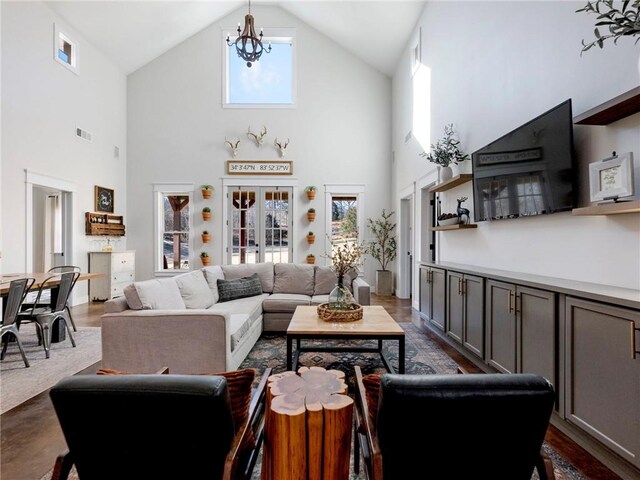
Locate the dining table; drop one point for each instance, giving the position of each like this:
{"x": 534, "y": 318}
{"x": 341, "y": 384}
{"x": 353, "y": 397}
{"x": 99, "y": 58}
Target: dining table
{"x": 46, "y": 280}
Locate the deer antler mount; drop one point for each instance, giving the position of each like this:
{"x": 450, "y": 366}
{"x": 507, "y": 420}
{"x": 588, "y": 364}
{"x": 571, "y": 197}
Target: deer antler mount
{"x": 258, "y": 137}
{"x": 233, "y": 146}
{"x": 282, "y": 147}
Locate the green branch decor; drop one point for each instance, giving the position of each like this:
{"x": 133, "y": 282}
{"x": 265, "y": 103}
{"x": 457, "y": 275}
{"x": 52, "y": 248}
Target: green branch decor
{"x": 622, "y": 22}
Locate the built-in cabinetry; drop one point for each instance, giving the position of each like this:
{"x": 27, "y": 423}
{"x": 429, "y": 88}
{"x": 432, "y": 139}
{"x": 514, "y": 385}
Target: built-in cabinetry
{"x": 465, "y": 306}
{"x": 432, "y": 296}
{"x": 119, "y": 269}
{"x": 603, "y": 374}
{"x": 521, "y": 329}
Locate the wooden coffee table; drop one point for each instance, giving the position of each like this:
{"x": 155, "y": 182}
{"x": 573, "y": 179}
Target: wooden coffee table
{"x": 376, "y": 324}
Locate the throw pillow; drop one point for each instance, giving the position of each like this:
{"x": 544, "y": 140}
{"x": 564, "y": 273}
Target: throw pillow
{"x": 239, "y": 288}
{"x": 159, "y": 294}
{"x": 132, "y": 297}
{"x": 212, "y": 274}
{"x": 194, "y": 290}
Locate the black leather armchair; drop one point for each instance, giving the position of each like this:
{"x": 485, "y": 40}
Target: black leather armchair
{"x": 467, "y": 426}
{"x": 155, "y": 426}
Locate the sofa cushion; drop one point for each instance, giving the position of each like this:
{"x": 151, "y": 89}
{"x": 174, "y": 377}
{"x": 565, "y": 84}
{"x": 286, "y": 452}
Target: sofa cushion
{"x": 284, "y": 302}
{"x": 212, "y": 274}
{"x": 293, "y": 278}
{"x": 132, "y": 297}
{"x": 243, "y": 313}
{"x": 158, "y": 294}
{"x": 264, "y": 271}
{"x": 326, "y": 280}
{"x": 239, "y": 288}
{"x": 318, "y": 299}
{"x": 194, "y": 290}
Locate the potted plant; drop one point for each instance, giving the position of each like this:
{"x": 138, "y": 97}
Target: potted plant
{"x": 311, "y": 258}
{"x": 311, "y": 214}
{"x": 206, "y": 259}
{"x": 311, "y": 192}
{"x": 384, "y": 249}
{"x": 311, "y": 238}
{"x": 206, "y": 190}
{"x": 445, "y": 152}
{"x": 206, "y": 237}
{"x": 206, "y": 214}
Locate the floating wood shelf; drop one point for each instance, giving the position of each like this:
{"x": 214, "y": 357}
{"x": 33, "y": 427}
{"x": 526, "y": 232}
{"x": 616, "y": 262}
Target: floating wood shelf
{"x": 104, "y": 224}
{"x": 453, "y": 182}
{"x": 615, "y": 109}
{"x": 609, "y": 209}
{"x": 457, "y": 226}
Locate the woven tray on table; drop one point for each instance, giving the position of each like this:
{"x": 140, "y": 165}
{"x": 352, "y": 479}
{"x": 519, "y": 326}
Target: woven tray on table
{"x": 328, "y": 315}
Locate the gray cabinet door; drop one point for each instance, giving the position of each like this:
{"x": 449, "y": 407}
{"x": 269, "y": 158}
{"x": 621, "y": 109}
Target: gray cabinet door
{"x": 438, "y": 298}
{"x": 425, "y": 293}
{"x": 536, "y": 312}
{"x": 602, "y": 376}
{"x": 501, "y": 326}
{"x": 473, "y": 332}
{"x": 455, "y": 306}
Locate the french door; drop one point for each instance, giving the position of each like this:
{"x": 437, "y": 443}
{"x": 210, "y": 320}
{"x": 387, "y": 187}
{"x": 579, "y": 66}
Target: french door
{"x": 259, "y": 224}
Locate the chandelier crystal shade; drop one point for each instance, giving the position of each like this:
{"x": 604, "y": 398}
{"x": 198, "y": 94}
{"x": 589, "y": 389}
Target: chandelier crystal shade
{"x": 249, "y": 45}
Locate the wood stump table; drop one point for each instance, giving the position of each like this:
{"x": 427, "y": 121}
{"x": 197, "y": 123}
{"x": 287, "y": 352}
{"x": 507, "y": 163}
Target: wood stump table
{"x": 308, "y": 426}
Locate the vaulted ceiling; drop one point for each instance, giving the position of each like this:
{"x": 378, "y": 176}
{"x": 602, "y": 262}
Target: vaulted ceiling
{"x": 132, "y": 33}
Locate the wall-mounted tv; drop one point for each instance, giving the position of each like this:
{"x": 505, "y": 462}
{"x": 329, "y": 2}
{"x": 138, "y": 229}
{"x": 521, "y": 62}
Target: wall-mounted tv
{"x": 529, "y": 171}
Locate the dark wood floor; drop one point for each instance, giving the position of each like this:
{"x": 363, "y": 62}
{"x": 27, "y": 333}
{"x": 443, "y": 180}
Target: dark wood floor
{"x": 31, "y": 437}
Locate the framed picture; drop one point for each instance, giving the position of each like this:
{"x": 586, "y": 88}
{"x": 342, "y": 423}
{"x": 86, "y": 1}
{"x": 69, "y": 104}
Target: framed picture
{"x": 611, "y": 178}
{"x": 103, "y": 199}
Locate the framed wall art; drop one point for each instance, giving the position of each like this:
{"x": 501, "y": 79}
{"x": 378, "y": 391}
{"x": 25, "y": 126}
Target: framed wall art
{"x": 611, "y": 178}
{"x": 103, "y": 198}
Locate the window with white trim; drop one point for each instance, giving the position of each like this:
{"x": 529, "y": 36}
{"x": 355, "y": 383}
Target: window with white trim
{"x": 173, "y": 227}
{"x": 65, "y": 50}
{"x": 269, "y": 82}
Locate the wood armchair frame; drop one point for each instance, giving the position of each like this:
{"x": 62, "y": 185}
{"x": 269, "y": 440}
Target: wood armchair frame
{"x": 366, "y": 439}
{"x": 240, "y": 461}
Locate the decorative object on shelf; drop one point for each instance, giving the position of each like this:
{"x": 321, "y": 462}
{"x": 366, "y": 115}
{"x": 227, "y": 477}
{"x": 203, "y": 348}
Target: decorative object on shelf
{"x": 384, "y": 249}
{"x": 448, "y": 219}
{"x": 282, "y": 147}
{"x": 352, "y": 313}
{"x": 206, "y": 190}
{"x": 233, "y": 146}
{"x": 257, "y": 137}
{"x": 311, "y": 214}
{"x": 311, "y": 258}
{"x": 259, "y": 167}
{"x": 622, "y": 22}
{"x": 206, "y": 214}
{"x": 103, "y": 199}
{"x": 206, "y": 259}
{"x": 445, "y": 152}
{"x": 311, "y": 192}
{"x": 345, "y": 258}
{"x": 611, "y": 178}
{"x": 462, "y": 212}
{"x": 249, "y": 45}
{"x": 104, "y": 224}
{"x": 206, "y": 236}
{"x": 311, "y": 238}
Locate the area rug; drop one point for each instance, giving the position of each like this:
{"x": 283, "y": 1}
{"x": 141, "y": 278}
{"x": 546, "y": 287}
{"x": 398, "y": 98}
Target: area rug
{"x": 422, "y": 356}
{"x": 18, "y": 383}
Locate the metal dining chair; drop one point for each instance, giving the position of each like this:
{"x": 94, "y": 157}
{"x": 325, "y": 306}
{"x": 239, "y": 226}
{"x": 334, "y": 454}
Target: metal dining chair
{"x": 17, "y": 291}
{"x": 44, "y": 317}
{"x": 46, "y": 302}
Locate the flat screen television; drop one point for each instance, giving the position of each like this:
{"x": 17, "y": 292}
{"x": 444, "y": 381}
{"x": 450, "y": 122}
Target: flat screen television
{"x": 529, "y": 171}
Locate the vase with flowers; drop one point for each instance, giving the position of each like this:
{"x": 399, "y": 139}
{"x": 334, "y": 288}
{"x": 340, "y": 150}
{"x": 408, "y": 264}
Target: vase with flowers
{"x": 345, "y": 258}
{"x": 445, "y": 152}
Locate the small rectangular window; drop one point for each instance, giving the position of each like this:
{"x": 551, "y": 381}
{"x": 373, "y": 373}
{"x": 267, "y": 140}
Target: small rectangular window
{"x": 174, "y": 228}
{"x": 269, "y": 82}
{"x": 65, "y": 50}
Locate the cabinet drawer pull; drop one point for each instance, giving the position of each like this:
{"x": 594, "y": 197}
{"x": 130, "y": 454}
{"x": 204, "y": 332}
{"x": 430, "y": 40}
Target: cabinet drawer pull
{"x": 509, "y": 302}
{"x": 459, "y": 286}
{"x": 634, "y": 352}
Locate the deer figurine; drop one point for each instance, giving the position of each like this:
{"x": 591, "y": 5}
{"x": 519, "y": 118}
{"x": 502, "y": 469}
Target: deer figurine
{"x": 462, "y": 211}
{"x": 232, "y": 146}
{"x": 281, "y": 147}
{"x": 258, "y": 137}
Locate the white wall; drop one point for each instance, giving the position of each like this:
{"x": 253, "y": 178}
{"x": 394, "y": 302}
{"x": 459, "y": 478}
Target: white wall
{"x": 339, "y": 131}
{"x": 503, "y": 64}
{"x": 42, "y": 103}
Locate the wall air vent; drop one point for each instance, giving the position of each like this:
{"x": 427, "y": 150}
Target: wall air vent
{"x": 83, "y": 134}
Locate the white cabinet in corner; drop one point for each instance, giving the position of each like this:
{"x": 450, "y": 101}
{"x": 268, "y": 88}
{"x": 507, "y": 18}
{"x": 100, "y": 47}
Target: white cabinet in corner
{"x": 119, "y": 269}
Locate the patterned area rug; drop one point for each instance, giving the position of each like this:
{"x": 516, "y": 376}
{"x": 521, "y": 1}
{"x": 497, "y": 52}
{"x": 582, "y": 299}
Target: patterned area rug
{"x": 422, "y": 356}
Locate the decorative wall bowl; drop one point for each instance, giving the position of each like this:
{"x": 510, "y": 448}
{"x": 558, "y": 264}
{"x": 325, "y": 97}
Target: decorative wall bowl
{"x": 448, "y": 221}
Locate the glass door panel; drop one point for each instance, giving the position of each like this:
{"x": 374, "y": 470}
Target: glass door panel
{"x": 276, "y": 226}
{"x": 244, "y": 247}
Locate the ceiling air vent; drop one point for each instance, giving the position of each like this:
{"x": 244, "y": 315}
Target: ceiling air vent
{"x": 83, "y": 134}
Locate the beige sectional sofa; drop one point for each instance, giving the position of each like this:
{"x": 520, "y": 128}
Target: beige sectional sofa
{"x": 179, "y": 322}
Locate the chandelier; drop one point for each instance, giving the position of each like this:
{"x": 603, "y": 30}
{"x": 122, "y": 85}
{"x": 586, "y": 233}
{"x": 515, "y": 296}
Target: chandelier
{"x": 248, "y": 45}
